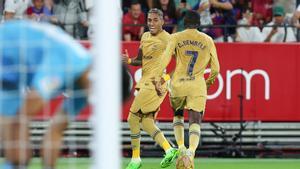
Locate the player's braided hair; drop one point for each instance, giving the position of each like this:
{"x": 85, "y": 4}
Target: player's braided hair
{"x": 157, "y": 11}
{"x": 191, "y": 19}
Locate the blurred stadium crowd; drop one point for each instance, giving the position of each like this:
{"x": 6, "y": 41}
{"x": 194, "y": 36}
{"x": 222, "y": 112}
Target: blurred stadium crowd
{"x": 70, "y": 15}
{"x": 223, "y": 20}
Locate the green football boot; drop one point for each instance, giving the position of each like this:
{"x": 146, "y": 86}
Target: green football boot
{"x": 169, "y": 158}
{"x": 133, "y": 165}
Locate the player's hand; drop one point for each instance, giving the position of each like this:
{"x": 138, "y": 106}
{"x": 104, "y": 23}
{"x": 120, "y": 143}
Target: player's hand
{"x": 158, "y": 87}
{"x": 125, "y": 57}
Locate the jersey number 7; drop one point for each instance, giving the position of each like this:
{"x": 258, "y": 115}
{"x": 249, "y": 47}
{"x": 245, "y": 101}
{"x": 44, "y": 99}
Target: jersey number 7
{"x": 194, "y": 55}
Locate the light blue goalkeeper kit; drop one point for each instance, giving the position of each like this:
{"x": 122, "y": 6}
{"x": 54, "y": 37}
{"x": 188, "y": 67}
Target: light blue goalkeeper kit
{"x": 40, "y": 57}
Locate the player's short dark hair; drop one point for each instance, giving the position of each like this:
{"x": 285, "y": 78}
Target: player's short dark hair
{"x": 191, "y": 19}
{"x": 135, "y": 2}
{"x": 157, "y": 11}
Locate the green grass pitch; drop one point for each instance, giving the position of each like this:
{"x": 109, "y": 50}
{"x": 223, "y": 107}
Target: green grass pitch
{"x": 200, "y": 163}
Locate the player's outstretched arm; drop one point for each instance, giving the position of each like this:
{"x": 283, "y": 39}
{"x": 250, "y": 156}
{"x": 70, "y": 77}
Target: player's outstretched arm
{"x": 166, "y": 58}
{"x": 134, "y": 62}
{"x": 168, "y": 53}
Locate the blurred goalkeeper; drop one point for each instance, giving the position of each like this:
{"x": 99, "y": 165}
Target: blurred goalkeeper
{"x": 38, "y": 63}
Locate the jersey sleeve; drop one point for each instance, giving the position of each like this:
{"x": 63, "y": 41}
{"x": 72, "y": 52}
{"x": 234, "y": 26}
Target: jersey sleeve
{"x": 48, "y": 81}
{"x": 167, "y": 54}
{"x": 64, "y": 62}
{"x": 214, "y": 64}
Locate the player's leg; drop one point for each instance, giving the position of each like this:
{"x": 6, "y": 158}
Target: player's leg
{"x": 151, "y": 128}
{"x": 16, "y": 132}
{"x": 178, "y": 104}
{"x": 178, "y": 126}
{"x": 10, "y": 104}
{"x": 53, "y": 139}
{"x": 195, "y": 119}
{"x": 150, "y": 105}
{"x": 72, "y": 106}
{"x": 196, "y": 107}
{"x": 134, "y": 120}
{"x": 17, "y": 150}
{"x": 149, "y": 108}
{"x": 145, "y": 101}
{"x": 134, "y": 125}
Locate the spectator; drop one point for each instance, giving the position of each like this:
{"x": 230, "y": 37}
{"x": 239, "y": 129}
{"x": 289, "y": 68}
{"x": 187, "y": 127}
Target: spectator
{"x": 203, "y": 8}
{"x": 15, "y": 9}
{"x": 279, "y": 32}
{"x": 184, "y": 5}
{"x": 72, "y": 17}
{"x": 288, "y": 5}
{"x": 39, "y": 12}
{"x": 135, "y": 16}
{"x": 1, "y": 8}
{"x": 49, "y": 5}
{"x": 221, "y": 4}
{"x": 296, "y": 17}
{"x": 204, "y": 11}
{"x": 248, "y": 34}
{"x": 222, "y": 14}
{"x": 169, "y": 10}
{"x": 181, "y": 7}
{"x": 145, "y": 4}
{"x": 262, "y": 11}
{"x": 296, "y": 21}
{"x": 239, "y": 6}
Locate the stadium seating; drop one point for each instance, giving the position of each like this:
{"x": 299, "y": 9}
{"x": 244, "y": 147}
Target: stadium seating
{"x": 260, "y": 139}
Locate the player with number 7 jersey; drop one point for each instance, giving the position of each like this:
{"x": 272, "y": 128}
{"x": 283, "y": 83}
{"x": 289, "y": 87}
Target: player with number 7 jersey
{"x": 194, "y": 51}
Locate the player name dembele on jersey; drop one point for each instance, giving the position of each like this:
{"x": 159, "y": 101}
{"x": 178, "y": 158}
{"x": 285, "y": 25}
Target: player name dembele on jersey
{"x": 191, "y": 42}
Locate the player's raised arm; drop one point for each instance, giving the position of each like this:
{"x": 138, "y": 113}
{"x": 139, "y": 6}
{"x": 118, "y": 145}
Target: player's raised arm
{"x": 167, "y": 56}
{"x": 214, "y": 65}
{"x": 134, "y": 62}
